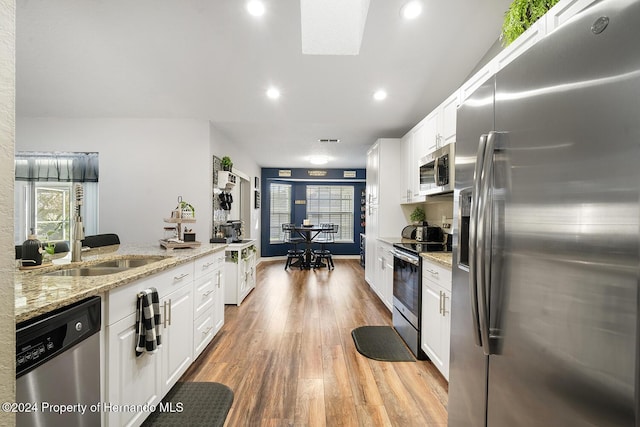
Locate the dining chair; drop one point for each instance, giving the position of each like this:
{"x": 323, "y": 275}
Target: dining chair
{"x": 293, "y": 254}
{"x": 327, "y": 235}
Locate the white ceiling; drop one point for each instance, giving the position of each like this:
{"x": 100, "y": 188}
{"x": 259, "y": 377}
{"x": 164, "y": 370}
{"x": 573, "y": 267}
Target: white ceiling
{"x": 209, "y": 59}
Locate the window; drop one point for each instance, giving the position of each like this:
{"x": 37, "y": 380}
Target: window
{"x": 53, "y": 211}
{"x": 332, "y": 204}
{"x": 43, "y": 198}
{"x": 279, "y": 210}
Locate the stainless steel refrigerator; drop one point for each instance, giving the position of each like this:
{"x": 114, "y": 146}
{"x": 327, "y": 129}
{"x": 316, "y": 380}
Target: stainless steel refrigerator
{"x": 546, "y": 240}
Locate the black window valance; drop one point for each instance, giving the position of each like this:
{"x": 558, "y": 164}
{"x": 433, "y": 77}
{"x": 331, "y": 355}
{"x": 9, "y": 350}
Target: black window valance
{"x": 56, "y": 166}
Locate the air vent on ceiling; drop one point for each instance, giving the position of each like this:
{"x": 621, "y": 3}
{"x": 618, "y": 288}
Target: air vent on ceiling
{"x": 329, "y": 140}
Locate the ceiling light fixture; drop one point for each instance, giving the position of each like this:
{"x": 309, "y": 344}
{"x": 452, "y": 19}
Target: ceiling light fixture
{"x": 273, "y": 93}
{"x": 411, "y": 10}
{"x": 255, "y": 8}
{"x": 318, "y": 160}
{"x": 380, "y": 95}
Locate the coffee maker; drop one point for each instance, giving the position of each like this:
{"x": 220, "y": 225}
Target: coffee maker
{"x": 233, "y": 230}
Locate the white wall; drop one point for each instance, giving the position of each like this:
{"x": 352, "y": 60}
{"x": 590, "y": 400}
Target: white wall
{"x": 222, "y": 146}
{"x": 145, "y": 164}
{"x": 7, "y": 254}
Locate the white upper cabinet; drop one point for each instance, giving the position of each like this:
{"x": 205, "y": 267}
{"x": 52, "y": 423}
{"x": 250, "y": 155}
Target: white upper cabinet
{"x": 448, "y": 112}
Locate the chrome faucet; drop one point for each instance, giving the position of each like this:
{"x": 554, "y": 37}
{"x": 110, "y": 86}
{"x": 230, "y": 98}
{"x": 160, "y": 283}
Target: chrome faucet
{"x": 78, "y": 227}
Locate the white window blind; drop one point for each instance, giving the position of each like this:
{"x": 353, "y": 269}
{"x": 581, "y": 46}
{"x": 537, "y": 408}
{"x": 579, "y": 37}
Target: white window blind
{"x": 279, "y": 210}
{"x": 332, "y": 204}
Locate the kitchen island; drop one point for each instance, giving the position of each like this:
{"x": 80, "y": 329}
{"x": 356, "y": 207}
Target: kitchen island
{"x": 37, "y": 293}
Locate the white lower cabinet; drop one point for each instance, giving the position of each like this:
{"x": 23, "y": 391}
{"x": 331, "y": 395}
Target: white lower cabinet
{"x": 131, "y": 380}
{"x": 240, "y": 272}
{"x": 208, "y": 304}
{"x": 177, "y": 338}
{"x": 436, "y": 315}
{"x": 384, "y": 274}
{"x": 191, "y": 301}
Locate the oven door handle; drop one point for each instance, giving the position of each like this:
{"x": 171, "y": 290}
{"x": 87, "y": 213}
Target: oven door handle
{"x": 405, "y": 257}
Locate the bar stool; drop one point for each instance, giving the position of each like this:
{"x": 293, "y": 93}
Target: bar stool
{"x": 293, "y": 254}
{"x": 327, "y": 235}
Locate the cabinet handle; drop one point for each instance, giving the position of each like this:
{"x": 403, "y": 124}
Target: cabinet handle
{"x": 170, "y": 312}
{"x": 206, "y": 331}
{"x": 440, "y": 303}
{"x": 206, "y": 294}
{"x": 444, "y": 304}
{"x": 434, "y": 272}
{"x": 218, "y": 278}
{"x": 180, "y": 277}
{"x": 207, "y": 265}
{"x": 164, "y": 312}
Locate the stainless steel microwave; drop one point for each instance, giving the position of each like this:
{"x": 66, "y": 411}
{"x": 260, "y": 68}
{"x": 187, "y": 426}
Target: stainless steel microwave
{"x": 437, "y": 171}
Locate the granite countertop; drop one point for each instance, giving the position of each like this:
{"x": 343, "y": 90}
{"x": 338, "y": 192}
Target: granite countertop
{"x": 442, "y": 258}
{"x": 37, "y": 294}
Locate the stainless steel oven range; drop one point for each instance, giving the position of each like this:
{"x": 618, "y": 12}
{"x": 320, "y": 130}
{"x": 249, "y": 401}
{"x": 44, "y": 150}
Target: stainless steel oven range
{"x": 407, "y": 294}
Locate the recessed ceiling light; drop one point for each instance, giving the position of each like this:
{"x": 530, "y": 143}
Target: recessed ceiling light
{"x": 318, "y": 160}
{"x": 411, "y": 10}
{"x": 273, "y": 93}
{"x": 380, "y": 95}
{"x": 255, "y": 8}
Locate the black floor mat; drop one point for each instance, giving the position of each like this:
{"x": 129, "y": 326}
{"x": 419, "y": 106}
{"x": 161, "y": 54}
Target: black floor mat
{"x": 381, "y": 343}
{"x": 193, "y": 404}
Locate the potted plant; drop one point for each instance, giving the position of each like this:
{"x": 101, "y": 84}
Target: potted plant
{"x": 226, "y": 163}
{"x": 418, "y": 215}
{"x": 521, "y": 15}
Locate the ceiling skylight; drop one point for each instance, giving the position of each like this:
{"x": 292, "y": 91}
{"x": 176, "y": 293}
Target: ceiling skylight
{"x": 332, "y": 27}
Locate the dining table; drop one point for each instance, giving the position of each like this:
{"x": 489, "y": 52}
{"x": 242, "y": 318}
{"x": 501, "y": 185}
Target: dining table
{"x": 308, "y": 233}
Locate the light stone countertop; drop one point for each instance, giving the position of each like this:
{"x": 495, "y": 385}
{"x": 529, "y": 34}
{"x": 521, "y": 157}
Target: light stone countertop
{"x": 442, "y": 258}
{"x": 36, "y": 294}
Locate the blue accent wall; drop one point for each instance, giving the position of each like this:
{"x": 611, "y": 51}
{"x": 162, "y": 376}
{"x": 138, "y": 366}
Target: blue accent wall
{"x": 299, "y": 180}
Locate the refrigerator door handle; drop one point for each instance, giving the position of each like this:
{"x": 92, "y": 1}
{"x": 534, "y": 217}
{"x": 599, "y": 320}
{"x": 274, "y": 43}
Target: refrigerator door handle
{"x": 483, "y": 259}
{"x": 473, "y": 239}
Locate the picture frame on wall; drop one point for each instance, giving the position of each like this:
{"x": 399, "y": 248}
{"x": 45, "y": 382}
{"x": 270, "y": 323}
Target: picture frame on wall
{"x": 256, "y": 199}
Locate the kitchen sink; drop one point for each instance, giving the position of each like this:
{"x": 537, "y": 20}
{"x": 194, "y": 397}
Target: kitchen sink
{"x": 126, "y": 263}
{"x": 86, "y": 271}
{"x": 107, "y": 267}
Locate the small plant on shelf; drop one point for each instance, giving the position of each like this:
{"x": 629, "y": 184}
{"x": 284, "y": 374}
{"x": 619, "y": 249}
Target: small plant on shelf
{"x": 418, "y": 215}
{"x": 521, "y": 15}
{"x": 226, "y": 163}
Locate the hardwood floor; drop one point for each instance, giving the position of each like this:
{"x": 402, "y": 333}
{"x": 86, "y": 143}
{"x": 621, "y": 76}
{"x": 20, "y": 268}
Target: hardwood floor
{"x": 288, "y": 355}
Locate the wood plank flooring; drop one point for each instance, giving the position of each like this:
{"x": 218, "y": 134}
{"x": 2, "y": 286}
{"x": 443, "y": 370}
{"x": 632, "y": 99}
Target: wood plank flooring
{"x": 288, "y": 356}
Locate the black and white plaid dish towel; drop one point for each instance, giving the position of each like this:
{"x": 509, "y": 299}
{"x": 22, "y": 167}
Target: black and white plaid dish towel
{"x": 148, "y": 322}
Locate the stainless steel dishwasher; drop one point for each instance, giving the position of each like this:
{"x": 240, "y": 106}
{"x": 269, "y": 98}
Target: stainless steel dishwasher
{"x": 58, "y": 367}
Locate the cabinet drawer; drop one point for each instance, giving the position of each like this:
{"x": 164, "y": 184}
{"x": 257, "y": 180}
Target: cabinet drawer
{"x": 203, "y": 331}
{"x": 121, "y": 302}
{"x": 437, "y": 274}
{"x": 205, "y": 289}
{"x": 206, "y": 265}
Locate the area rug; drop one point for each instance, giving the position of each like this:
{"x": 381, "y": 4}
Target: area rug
{"x": 193, "y": 404}
{"x": 381, "y": 343}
